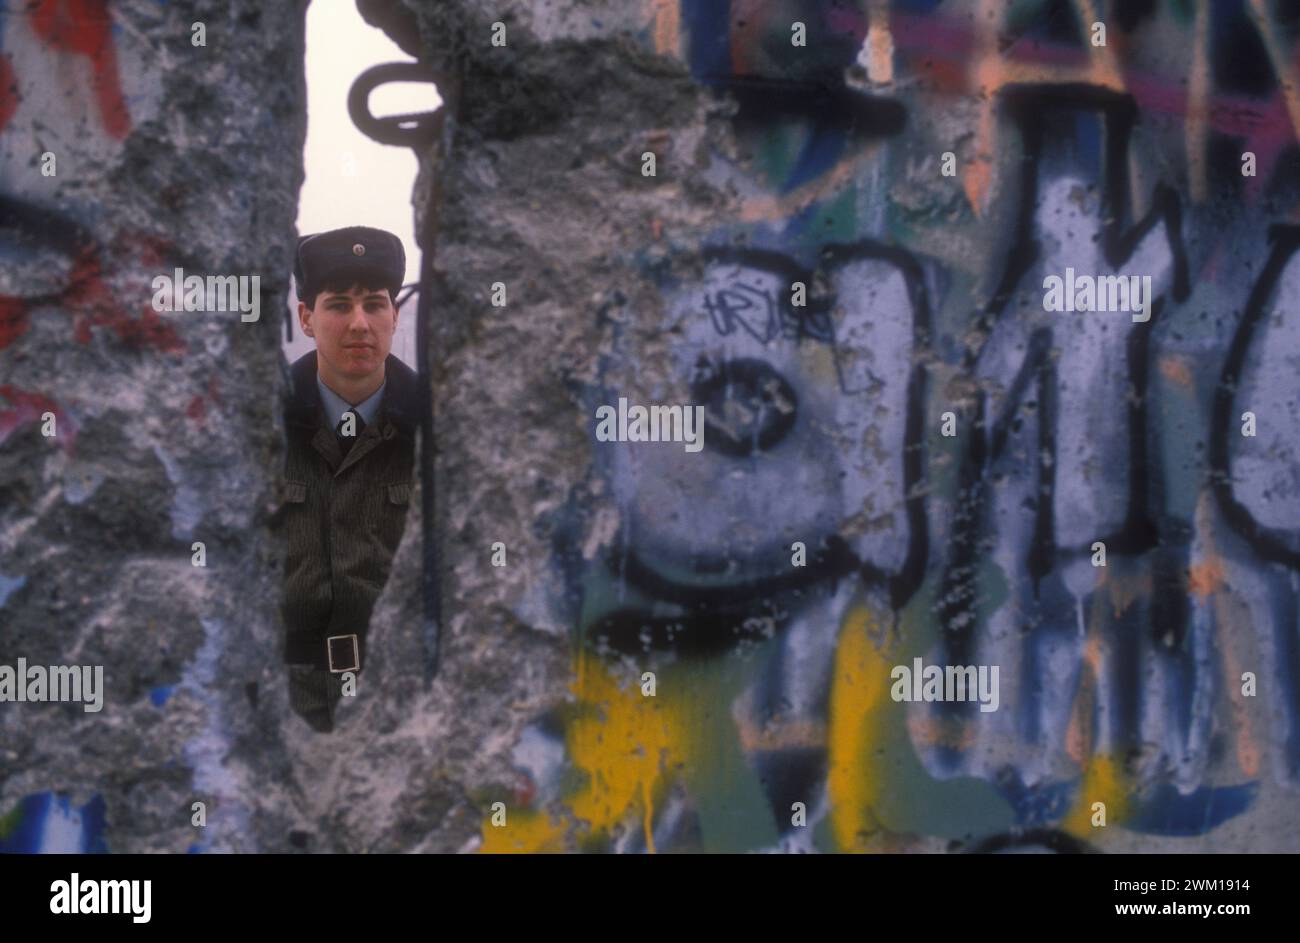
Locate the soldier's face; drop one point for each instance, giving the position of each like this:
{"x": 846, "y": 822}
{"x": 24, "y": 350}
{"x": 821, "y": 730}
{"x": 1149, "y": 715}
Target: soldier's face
{"x": 353, "y": 330}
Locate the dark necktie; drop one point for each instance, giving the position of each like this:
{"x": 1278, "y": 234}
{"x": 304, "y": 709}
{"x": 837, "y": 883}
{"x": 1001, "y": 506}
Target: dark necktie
{"x": 347, "y": 441}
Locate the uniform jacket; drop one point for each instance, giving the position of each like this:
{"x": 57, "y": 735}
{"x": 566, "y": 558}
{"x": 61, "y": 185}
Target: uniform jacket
{"x": 343, "y": 516}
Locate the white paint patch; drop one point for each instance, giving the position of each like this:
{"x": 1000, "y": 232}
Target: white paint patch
{"x": 206, "y": 753}
{"x": 61, "y": 832}
{"x": 9, "y": 585}
{"x": 80, "y": 486}
{"x": 187, "y": 506}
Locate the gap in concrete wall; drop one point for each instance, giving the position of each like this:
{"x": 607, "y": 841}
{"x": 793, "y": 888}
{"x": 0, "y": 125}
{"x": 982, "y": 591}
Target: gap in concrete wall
{"x": 352, "y": 180}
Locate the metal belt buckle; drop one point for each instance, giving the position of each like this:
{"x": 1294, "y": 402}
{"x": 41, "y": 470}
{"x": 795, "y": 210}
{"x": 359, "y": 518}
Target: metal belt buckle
{"x": 355, "y": 664}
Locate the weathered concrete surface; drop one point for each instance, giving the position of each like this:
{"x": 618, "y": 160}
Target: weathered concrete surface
{"x": 166, "y": 155}
{"x": 775, "y": 164}
{"x": 824, "y": 163}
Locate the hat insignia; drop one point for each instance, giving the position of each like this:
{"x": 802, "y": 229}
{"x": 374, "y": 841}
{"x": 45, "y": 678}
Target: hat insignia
{"x": 358, "y": 249}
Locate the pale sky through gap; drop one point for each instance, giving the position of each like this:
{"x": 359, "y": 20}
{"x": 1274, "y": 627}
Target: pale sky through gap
{"x": 350, "y": 179}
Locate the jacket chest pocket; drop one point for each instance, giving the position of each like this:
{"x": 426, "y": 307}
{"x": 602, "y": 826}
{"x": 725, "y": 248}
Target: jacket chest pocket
{"x": 301, "y": 529}
{"x": 290, "y": 498}
{"x": 394, "y": 500}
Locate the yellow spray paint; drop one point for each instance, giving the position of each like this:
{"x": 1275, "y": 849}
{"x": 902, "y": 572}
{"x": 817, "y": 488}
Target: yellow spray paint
{"x": 626, "y": 749}
{"x": 1104, "y": 780}
{"x": 860, "y": 709}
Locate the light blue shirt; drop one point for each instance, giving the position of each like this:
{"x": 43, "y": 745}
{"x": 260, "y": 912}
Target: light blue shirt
{"x": 336, "y": 406}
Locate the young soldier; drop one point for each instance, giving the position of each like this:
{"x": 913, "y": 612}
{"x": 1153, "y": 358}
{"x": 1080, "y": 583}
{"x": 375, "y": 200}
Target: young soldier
{"x": 350, "y": 420}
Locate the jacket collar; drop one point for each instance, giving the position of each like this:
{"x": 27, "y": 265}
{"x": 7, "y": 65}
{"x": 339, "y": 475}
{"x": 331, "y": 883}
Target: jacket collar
{"x": 401, "y": 404}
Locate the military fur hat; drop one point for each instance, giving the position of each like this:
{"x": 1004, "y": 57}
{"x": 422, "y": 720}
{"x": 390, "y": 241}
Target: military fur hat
{"x": 356, "y": 255}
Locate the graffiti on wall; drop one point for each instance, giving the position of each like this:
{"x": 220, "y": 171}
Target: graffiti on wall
{"x": 75, "y": 81}
{"x": 62, "y": 104}
{"x": 1123, "y": 685}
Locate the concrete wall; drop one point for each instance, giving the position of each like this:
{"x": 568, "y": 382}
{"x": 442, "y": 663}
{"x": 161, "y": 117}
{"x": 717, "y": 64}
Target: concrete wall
{"x": 166, "y": 155}
{"x": 824, "y": 164}
{"x": 821, "y": 164}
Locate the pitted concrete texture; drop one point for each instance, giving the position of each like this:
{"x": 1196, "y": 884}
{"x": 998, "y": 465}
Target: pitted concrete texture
{"x": 166, "y": 155}
{"x": 634, "y": 563}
